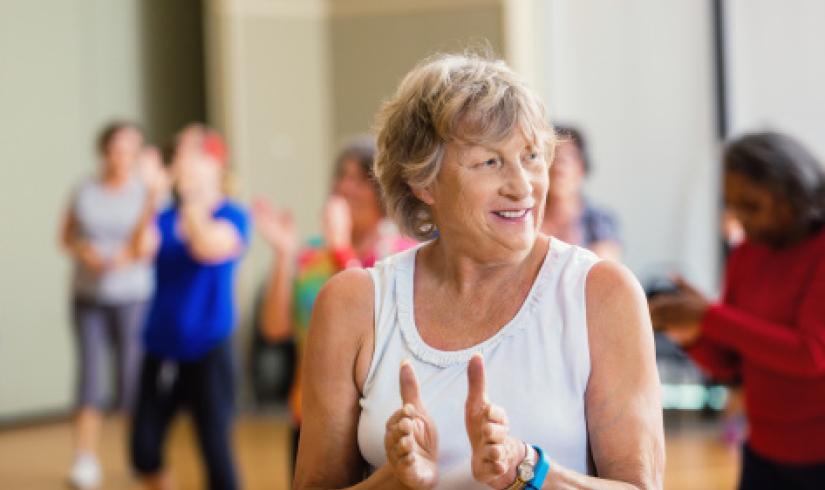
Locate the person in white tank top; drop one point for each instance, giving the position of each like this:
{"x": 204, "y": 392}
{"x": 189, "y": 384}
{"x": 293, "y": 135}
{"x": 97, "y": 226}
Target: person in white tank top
{"x": 491, "y": 356}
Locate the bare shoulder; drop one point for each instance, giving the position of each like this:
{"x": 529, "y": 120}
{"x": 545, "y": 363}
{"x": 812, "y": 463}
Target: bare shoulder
{"x": 341, "y": 333}
{"x": 608, "y": 278}
{"x": 613, "y": 293}
{"x": 618, "y": 319}
{"x": 349, "y": 298}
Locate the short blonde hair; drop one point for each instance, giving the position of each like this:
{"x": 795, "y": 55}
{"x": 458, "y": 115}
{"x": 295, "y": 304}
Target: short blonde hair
{"x": 447, "y": 98}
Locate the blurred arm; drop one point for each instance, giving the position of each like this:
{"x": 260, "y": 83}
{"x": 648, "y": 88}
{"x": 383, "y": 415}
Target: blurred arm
{"x": 209, "y": 240}
{"x": 796, "y": 350}
{"x": 276, "y": 310}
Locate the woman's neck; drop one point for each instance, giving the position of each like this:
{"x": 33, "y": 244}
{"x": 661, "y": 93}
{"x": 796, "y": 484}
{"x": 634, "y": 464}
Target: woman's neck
{"x": 114, "y": 180}
{"x": 461, "y": 270}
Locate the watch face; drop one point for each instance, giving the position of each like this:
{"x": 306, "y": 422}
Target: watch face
{"x": 525, "y": 472}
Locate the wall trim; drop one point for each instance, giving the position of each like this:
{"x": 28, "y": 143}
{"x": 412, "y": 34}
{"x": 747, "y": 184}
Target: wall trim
{"x": 350, "y": 8}
{"x": 340, "y": 8}
{"x": 273, "y": 8}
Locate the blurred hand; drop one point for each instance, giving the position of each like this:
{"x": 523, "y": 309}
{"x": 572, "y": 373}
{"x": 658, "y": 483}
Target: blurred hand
{"x": 191, "y": 180}
{"x": 337, "y": 223}
{"x": 152, "y": 173}
{"x": 411, "y": 440}
{"x": 276, "y": 226}
{"x": 680, "y": 314}
{"x": 122, "y": 258}
{"x": 91, "y": 259}
{"x": 495, "y": 454}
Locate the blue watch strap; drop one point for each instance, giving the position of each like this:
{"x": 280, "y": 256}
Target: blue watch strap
{"x": 540, "y": 470}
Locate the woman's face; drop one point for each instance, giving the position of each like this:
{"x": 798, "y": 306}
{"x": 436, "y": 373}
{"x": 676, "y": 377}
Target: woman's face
{"x": 764, "y": 216}
{"x": 567, "y": 171}
{"x": 490, "y": 197}
{"x": 197, "y": 175}
{"x": 354, "y": 185}
{"x": 122, "y": 151}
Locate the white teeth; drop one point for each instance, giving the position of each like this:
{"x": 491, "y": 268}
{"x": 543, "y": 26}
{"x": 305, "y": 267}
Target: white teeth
{"x": 512, "y": 214}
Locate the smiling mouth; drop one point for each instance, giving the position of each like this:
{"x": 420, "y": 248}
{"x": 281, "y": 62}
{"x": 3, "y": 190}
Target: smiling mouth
{"x": 512, "y": 214}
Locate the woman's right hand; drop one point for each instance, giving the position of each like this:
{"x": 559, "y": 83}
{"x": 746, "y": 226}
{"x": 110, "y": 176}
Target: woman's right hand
{"x": 154, "y": 176}
{"x": 91, "y": 259}
{"x": 276, "y": 226}
{"x": 411, "y": 439}
{"x": 337, "y": 223}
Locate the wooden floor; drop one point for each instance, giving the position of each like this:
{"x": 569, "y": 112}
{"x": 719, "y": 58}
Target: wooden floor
{"x": 37, "y": 457}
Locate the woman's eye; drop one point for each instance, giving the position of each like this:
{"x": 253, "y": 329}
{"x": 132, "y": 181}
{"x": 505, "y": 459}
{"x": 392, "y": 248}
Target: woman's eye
{"x": 492, "y": 162}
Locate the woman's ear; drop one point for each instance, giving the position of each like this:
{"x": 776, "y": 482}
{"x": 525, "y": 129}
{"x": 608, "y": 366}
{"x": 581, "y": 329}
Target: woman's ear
{"x": 423, "y": 193}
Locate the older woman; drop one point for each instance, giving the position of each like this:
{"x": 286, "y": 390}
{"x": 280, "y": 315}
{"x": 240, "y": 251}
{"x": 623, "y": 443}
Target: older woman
{"x": 492, "y": 356}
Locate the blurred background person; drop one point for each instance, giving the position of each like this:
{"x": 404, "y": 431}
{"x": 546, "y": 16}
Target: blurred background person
{"x": 356, "y": 233}
{"x": 769, "y": 327}
{"x": 111, "y": 285}
{"x": 188, "y": 358}
{"x": 734, "y": 423}
{"x": 570, "y": 216}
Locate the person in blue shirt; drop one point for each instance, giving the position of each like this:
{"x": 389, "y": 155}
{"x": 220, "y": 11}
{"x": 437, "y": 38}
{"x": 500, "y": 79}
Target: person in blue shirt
{"x": 187, "y": 337}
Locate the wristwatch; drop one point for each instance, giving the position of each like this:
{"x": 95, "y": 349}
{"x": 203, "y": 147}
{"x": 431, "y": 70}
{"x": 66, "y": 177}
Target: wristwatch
{"x": 532, "y": 471}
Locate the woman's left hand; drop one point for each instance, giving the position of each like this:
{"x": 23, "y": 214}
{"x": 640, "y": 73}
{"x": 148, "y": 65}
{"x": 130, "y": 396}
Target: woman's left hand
{"x": 337, "y": 223}
{"x": 680, "y": 314}
{"x": 495, "y": 454}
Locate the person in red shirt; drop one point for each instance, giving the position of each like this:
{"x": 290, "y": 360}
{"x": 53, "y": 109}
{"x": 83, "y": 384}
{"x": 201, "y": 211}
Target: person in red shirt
{"x": 769, "y": 326}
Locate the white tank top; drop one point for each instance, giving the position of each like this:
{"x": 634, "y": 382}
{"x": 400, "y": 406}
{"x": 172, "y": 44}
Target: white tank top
{"x": 537, "y": 367}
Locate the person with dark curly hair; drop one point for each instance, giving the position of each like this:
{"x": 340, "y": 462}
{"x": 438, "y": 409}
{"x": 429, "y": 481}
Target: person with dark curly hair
{"x": 768, "y": 329}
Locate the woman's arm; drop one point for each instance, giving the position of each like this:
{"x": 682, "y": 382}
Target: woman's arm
{"x": 276, "y": 309}
{"x": 624, "y": 412}
{"x": 209, "y": 240}
{"x": 718, "y": 362}
{"x": 796, "y": 349}
{"x": 278, "y": 228}
{"x": 337, "y": 358}
{"x": 68, "y": 234}
{"x": 78, "y": 248}
{"x": 145, "y": 239}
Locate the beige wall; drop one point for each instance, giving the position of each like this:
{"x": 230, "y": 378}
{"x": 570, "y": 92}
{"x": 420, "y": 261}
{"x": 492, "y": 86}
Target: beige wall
{"x": 65, "y": 71}
{"x": 67, "y": 68}
{"x": 372, "y": 49}
{"x": 776, "y": 74}
{"x": 637, "y": 77}
{"x": 268, "y": 91}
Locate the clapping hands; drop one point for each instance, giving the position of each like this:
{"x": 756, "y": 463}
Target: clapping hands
{"x": 411, "y": 440}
